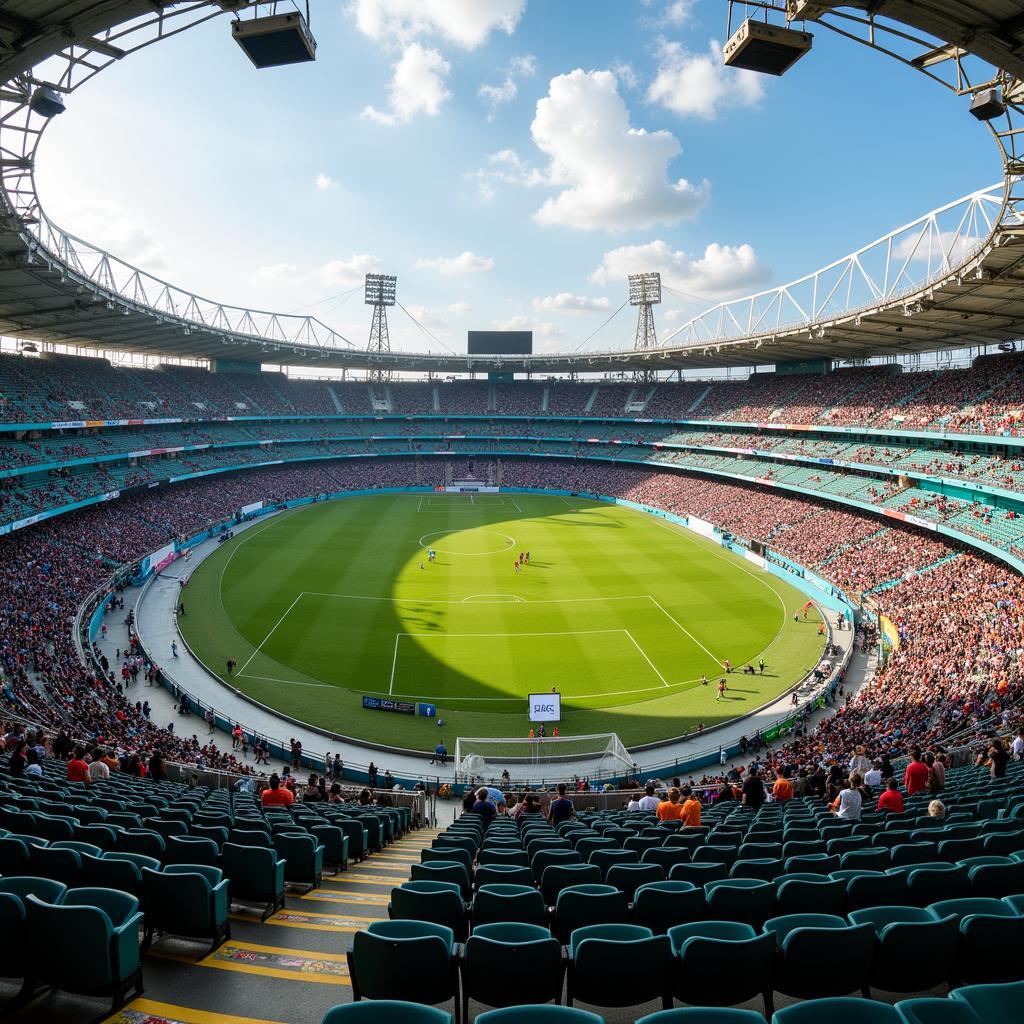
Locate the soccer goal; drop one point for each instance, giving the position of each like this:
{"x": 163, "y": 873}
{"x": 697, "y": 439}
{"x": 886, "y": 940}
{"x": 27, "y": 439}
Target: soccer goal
{"x": 479, "y": 759}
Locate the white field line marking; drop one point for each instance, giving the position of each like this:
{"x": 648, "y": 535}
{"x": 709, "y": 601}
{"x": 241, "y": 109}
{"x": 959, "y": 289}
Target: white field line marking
{"x": 461, "y": 600}
{"x": 766, "y": 579}
{"x": 248, "y": 535}
{"x": 564, "y": 632}
{"x": 505, "y": 700}
{"x": 289, "y": 682}
{"x": 455, "y": 501}
{"x": 681, "y": 627}
{"x": 515, "y": 505}
{"x": 648, "y": 660}
{"x": 271, "y": 633}
{"x": 681, "y": 531}
{"x": 490, "y": 533}
{"x": 394, "y": 662}
{"x": 575, "y": 508}
{"x": 490, "y": 599}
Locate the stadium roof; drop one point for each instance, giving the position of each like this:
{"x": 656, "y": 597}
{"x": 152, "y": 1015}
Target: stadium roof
{"x": 57, "y": 288}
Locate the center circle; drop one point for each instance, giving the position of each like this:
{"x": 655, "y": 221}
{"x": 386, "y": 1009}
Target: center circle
{"x": 510, "y": 542}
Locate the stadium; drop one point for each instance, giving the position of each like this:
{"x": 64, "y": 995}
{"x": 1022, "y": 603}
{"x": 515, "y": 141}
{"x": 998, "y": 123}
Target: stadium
{"x": 497, "y": 675}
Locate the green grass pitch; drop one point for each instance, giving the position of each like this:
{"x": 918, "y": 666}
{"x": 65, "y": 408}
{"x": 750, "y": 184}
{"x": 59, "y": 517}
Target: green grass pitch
{"x": 622, "y": 612}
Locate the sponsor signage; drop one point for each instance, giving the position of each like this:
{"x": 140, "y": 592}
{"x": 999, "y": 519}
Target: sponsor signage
{"x": 402, "y": 707}
{"x": 545, "y": 707}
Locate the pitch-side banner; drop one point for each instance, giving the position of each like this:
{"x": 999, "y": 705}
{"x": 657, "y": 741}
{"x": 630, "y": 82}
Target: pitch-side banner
{"x": 158, "y": 559}
{"x": 545, "y": 707}
{"x": 705, "y": 529}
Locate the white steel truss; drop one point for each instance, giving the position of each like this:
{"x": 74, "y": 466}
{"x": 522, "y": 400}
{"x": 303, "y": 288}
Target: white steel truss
{"x": 939, "y": 245}
{"x": 901, "y": 263}
{"x": 126, "y": 287}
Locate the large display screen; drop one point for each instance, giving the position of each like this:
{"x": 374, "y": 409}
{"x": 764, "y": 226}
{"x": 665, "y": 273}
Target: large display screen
{"x": 545, "y": 707}
{"x": 500, "y": 343}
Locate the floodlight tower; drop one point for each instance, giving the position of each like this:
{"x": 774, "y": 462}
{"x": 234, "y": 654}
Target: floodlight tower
{"x": 645, "y": 293}
{"x": 380, "y": 293}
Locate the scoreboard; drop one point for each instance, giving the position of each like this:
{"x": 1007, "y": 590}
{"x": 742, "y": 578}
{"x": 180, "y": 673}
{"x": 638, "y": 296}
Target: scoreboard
{"x": 500, "y": 343}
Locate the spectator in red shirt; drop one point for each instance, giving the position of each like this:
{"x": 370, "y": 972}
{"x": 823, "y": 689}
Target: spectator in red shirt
{"x": 78, "y": 768}
{"x": 276, "y": 795}
{"x": 891, "y": 799}
{"x": 915, "y": 779}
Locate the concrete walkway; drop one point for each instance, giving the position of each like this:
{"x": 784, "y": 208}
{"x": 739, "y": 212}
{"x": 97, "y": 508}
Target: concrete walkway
{"x": 155, "y": 605}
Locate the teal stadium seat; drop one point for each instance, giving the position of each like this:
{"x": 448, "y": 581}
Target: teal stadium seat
{"x": 186, "y": 900}
{"x": 88, "y": 944}
{"x": 411, "y": 960}
{"x": 496, "y": 953}
{"x": 596, "y": 955}
{"x": 708, "y": 952}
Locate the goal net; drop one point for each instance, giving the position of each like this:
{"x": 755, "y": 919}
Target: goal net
{"x": 483, "y": 759}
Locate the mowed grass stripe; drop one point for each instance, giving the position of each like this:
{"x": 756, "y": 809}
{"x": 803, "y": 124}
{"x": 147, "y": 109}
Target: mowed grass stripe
{"x": 602, "y": 567}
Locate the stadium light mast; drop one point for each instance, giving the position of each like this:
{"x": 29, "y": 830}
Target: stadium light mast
{"x": 380, "y": 293}
{"x": 645, "y": 294}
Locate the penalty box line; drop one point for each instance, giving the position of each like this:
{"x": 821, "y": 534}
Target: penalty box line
{"x": 498, "y": 504}
{"x": 566, "y": 632}
{"x": 575, "y": 632}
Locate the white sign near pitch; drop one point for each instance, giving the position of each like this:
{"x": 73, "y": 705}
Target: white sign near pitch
{"x": 545, "y": 707}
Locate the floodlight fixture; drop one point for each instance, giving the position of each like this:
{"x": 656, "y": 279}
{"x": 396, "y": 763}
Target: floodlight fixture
{"x": 988, "y": 104}
{"x": 380, "y": 289}
{"x": 273, "y": 40}
{"x": 768, "y": 49}
{"x": 644, "y": 289}
{"x": 47, "y": 101}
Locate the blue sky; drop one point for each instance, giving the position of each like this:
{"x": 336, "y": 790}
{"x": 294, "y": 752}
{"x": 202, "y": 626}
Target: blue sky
{"x": 509, "y": 160}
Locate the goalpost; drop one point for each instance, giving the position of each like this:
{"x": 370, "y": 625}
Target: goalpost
{"x": 481, "y": 759}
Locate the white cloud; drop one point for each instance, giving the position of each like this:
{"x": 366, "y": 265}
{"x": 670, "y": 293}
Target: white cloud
{"x": 349, "y": 272}
{"x": 525, "y": 65}
{"x": 466, "y": 23}
{"x": 464, "y": 263}
{"x": 496, "y": 95}
{"x": 279, "y": 274}
{"x": 615, "y": 176}
{"x": 624, "y": 72}
{"x": 109, "y": 226}
{"x": 506, "y": 167}
{"x": 543, "y": 329}
{"x": 699, "y": 84}
{"x": 570, "y": 302}
{"x": 324, "y": 182}
{"x": 460, "y": 308}
{"x": 677, "y": 12}
{"x": 724, "y": 271}
{"x": 427, "y": 316}
{"x": 416, "y": 87}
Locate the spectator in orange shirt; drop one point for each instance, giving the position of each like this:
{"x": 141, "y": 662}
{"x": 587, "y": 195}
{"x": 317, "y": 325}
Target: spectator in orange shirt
{"x": 276, "y": 795}
{"x": 782, "y": 790}
{"x": 689, "y": 814}
{"x": 670, "y": 809}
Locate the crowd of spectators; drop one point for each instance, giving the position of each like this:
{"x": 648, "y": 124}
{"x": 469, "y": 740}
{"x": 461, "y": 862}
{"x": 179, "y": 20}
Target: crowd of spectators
{"x": 959, "y": 616}
{"x": 984, "y": 398}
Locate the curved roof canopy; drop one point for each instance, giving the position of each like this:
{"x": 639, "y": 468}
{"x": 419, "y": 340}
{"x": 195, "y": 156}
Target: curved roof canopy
{"x": 58, "y": 288}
